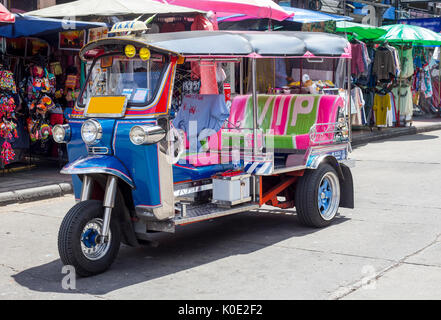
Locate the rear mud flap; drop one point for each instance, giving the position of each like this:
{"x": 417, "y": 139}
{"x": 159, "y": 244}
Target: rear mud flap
{"x": 347, "y": 188}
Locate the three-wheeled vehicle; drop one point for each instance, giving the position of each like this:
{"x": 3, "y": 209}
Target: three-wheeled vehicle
{"x": 150, "y": 152}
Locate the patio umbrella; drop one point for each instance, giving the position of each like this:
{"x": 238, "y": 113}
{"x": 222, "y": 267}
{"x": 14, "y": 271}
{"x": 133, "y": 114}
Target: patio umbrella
{"x": 82, "y": 8}
{"x": 300, "y": 16}
{"x": 362, "y": 31}
{"x": 256, "y": 8}
{"x": 5, "y": 15}
{"x": 27, "y": 26}
{"x": 409, "y": 34}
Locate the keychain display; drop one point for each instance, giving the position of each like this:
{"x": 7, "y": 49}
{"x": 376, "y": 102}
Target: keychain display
{"x": 7, "y": 82}
{"x": 7, "y": 154}
{"x": 7, "y": 107}
{"x": 8, "y": 126}
{"x": 8, "y": 130}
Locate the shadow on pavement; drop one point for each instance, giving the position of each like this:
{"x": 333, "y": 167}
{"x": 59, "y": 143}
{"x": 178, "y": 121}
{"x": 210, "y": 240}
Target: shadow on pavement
{"x": 191, "y": 246}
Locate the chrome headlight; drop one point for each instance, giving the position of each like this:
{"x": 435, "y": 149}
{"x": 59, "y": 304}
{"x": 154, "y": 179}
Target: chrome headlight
{"x": 142, "y": 135}
{"x": 91, "y": 132}
{"x": 61, "y": 133}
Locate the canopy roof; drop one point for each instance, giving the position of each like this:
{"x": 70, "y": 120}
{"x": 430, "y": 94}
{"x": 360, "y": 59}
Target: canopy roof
{"x": 300, "y": 16}
{"x": 83, "y": 8}
{"x": 235, "y": 44}
{"x": 27, "y": 26}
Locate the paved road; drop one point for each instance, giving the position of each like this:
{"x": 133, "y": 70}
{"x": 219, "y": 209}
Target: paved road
{"x": 392, "y": 238}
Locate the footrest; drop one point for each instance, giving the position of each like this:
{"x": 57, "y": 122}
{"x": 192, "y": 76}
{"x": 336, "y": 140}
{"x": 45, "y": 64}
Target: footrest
{"x": 209, "y": 211}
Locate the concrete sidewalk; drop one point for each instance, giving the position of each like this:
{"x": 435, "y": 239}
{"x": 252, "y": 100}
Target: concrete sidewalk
{"x": 419, "y": 125}
{"x": 30, "y": 183}
{"x": 43, "y": 182}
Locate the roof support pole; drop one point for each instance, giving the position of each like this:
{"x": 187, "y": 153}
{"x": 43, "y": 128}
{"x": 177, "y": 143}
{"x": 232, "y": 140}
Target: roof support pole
{"x": 255, "y": 104}
{"x": 349, "y": 79}
{"x": 255, "y": 116}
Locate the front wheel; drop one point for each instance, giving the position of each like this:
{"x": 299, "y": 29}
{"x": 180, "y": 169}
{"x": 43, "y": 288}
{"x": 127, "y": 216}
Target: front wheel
{"x": 318, "y": 196}
{"x": 79, "y": 242}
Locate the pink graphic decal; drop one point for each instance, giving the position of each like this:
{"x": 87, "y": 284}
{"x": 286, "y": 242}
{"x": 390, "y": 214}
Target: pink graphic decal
{"x": 308, "y": 55}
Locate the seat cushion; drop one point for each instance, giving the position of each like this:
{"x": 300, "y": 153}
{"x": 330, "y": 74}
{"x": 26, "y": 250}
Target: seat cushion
{"x": 287, "y": 119}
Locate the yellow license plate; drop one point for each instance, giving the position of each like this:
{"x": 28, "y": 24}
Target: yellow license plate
{"x": 109, "y": 106}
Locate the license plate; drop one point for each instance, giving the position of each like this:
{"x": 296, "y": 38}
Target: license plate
{"x": 339, "y": 155}
{"x": 107, "y": 107}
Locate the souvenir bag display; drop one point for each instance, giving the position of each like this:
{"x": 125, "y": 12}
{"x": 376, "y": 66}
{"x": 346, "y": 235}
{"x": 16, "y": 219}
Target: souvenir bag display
{"x": 8, "y": 125}
{"x": 40, "y": 89}
{"x": 38, "y": 122}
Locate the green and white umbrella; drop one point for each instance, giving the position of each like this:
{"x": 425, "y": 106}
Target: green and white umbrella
{"x": 360, "y": 31}
{"x": 409, "y": 34}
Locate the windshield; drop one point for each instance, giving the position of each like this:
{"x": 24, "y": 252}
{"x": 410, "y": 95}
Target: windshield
{"x": 135, "y": 78}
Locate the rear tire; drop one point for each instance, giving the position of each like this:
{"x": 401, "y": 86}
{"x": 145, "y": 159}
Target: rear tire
{"x": 317, "y": 196}
{"x": 78, "y": 244}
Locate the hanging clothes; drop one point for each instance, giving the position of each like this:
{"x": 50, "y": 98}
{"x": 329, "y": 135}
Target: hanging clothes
{"x": 340, "y": 73}
{"x": 391, "y": 113}
{"x": 396, "y": 58}
{"x": 357, "y": 106}
{"x": 357, "y": 62}
{"x": 381, "y": 105}
{"x": 406, "y": 60}
{"x": 368, "y": 96}
{"x": 403, "y": 100}
{"x": 385, "y": 64}
{"x": 367, "y": 78}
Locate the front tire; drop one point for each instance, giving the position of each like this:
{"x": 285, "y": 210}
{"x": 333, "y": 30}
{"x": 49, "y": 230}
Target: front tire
{"x": 78, "y": 239}
{"x": 318, "y": 196}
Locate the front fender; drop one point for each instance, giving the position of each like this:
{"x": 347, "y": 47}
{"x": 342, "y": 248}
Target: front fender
{"x": 99, "y": 164}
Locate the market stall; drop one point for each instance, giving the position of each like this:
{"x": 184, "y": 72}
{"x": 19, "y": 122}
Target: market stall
{"x": 39, "y": 80}
{"x": 389, "y": 72}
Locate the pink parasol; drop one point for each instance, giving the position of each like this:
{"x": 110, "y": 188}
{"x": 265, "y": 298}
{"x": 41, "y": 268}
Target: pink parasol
{"x": 5, "y": 15}
{"x": 255, "y": 8}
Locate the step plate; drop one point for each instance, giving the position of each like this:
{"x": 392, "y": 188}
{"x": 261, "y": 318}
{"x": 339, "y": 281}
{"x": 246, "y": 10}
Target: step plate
{"x": 210, "y": 211}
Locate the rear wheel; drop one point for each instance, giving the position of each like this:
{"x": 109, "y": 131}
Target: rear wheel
{"x": 79, "y": 242}
{"x": 318, "y": 196}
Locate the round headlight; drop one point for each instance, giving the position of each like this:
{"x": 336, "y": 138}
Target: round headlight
{"x": 58, "y": 133}
{"x": 61, "y": 133}
{"x": 91, "y": 132}
{"x": 138, "y": 135}
{"x": 130, "y": 51}
{"x": 144, "y": 54}
{"x": 145, "y": 135}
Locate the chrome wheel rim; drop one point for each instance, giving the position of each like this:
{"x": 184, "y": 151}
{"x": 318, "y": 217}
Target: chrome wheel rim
{"x": 328, "y": 196}
{"x": 90, "y": 245}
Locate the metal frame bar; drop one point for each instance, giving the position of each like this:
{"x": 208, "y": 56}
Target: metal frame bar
{"x": 109, "y": 204}
{"x": 271, "y": 195}
{"x": 255, "y": 124}
{"x": 348, "y": 77}
{"x": 87, "y": 188}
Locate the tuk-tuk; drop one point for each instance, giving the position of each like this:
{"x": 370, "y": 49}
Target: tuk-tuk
{"x": 148, "y": 156}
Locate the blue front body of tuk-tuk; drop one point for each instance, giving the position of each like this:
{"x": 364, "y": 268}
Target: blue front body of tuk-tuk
{"x": 115, "y": 154}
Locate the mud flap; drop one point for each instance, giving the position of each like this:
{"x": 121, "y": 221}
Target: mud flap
{"x": 347, "y": 188}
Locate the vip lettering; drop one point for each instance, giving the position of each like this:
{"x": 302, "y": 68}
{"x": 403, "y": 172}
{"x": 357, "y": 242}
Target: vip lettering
{"x": 189, "y": 310}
